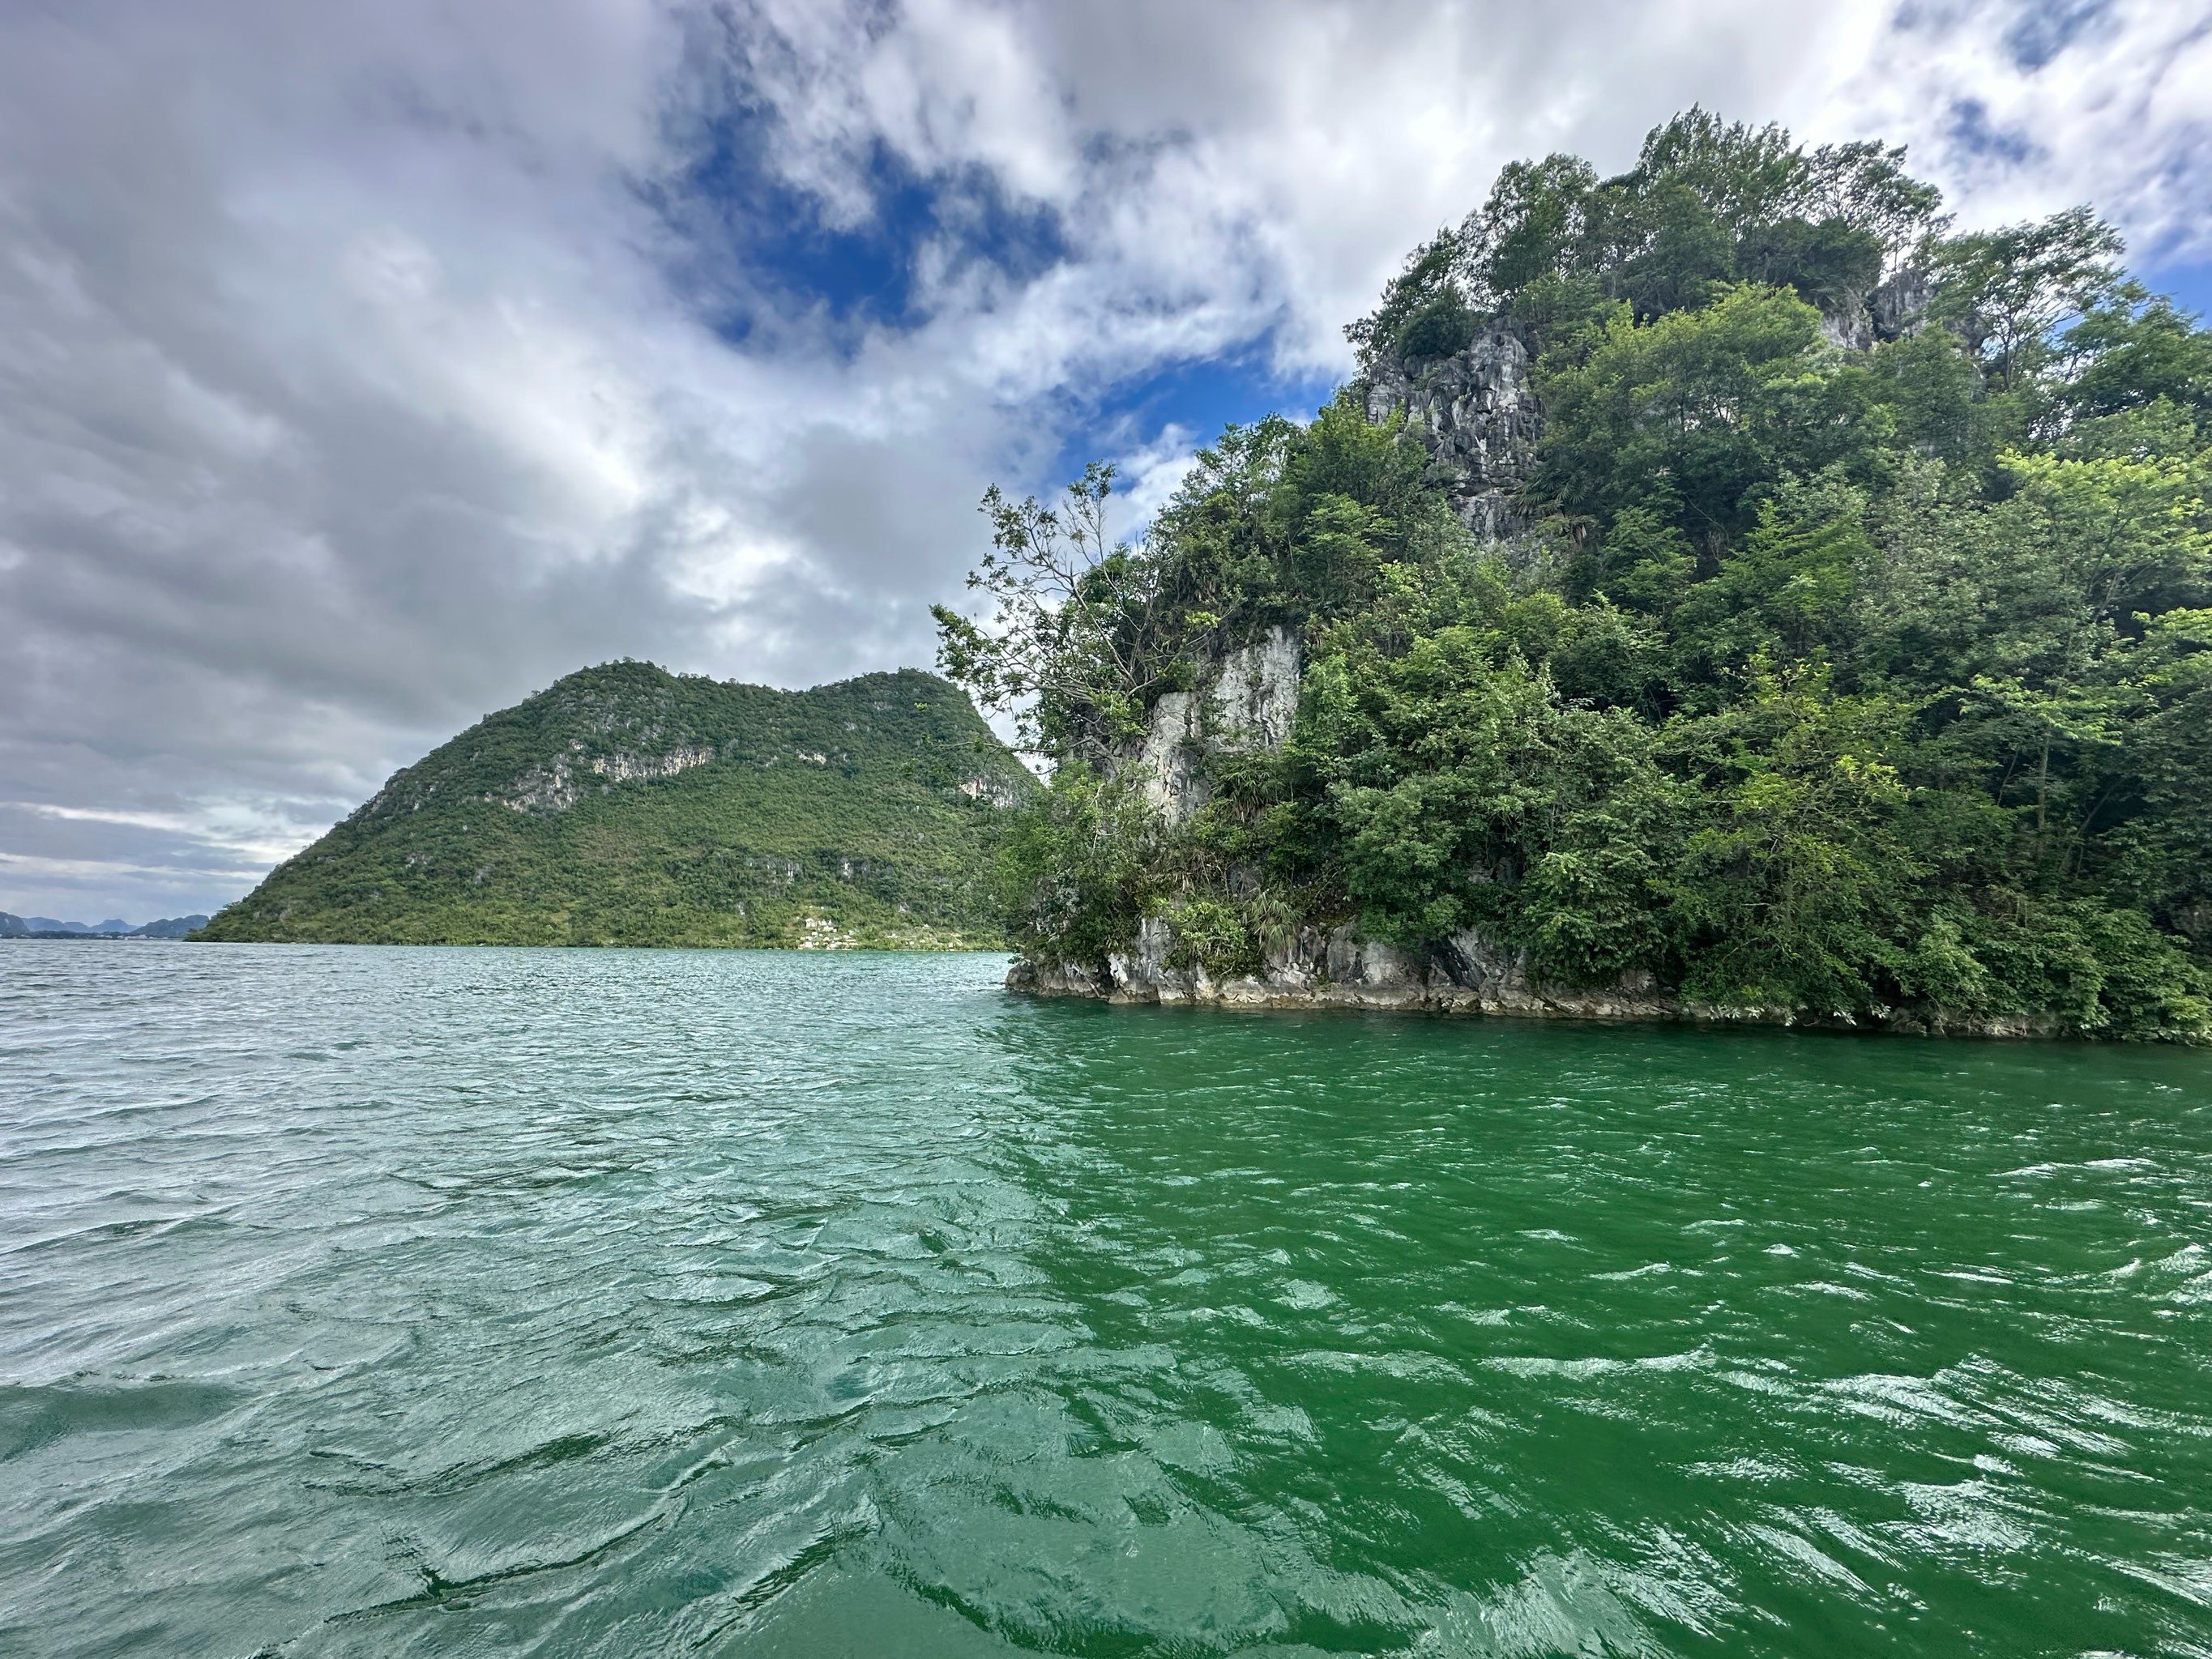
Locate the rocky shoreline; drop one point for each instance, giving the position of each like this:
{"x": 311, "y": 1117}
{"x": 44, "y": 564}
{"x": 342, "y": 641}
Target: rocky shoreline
{"x": 1465, "y": 974}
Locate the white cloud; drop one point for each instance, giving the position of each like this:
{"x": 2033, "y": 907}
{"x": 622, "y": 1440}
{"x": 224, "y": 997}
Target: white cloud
{"x": 359, "y": 370}
{"x": 2021, "y": 108}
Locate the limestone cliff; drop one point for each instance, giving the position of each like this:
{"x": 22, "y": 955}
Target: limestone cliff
{"x": 1246, "y": 698}
{"x": 1477, "y": 414}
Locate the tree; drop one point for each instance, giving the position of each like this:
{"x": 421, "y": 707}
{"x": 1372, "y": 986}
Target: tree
{"x": 2004, "y": 291}
{"x": 1708, "y": 201}
{"x": 1693, "y": 411}
{"x": 1464, "y": 791}
{"x": 2130, "y": 349}
{"x": 1535, "y": 224}
{"x": 1430, "y": 273}
{"x": 1069, "y": 646}
{"x": 1795, "y": 887}
{"x": 1867, "y": 188}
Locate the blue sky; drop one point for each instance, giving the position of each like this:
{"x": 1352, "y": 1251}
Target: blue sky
{"x": 366, "y": 367}
{"x": 2191, "y": 285}
{"x": 757, "y": 255}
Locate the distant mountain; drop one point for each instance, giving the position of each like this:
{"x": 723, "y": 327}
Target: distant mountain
{"x": 169, "y": 927}
{"x": 627, "y": 805}
{"x": 115, "y": 927}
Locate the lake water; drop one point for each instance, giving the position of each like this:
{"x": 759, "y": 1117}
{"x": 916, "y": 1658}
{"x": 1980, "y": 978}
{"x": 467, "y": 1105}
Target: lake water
{"x": 391, "y": 1302}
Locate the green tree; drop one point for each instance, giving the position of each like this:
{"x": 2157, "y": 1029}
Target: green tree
{"x": 1797, "y": 884}
{"x": 1863, "y": 679}
{"x": 1688, "y": 415}
{"x": 1069, "y": 646}
{"x": 2004, "y": 291}
{"x": 2130, "y": 349}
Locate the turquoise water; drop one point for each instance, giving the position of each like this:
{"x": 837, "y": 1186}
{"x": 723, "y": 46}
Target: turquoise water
{"x": 487, "y": 1302}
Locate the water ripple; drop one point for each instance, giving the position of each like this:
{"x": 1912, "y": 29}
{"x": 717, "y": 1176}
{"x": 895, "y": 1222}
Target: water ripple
{"x": 395, "y": 1302}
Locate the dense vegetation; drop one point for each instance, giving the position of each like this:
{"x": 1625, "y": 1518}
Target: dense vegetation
{"x": 627, "y": 805}
{"x": 1859, "y": 658}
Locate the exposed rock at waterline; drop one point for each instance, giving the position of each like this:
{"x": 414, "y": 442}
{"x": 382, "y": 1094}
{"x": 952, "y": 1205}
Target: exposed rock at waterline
{"x": 1466, "y": 974}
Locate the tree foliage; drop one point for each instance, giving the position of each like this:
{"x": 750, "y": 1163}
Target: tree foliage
{"x": 1708, "y": 203}
{"x": 1860, "y": 659}
{"x": 1070, "y": 635}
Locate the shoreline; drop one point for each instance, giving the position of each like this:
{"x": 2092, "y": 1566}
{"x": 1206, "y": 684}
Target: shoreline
{"x": 1380, "y": 979}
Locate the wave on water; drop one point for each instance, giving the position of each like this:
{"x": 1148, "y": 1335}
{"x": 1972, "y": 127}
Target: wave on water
{"x": 384, "y": 1302}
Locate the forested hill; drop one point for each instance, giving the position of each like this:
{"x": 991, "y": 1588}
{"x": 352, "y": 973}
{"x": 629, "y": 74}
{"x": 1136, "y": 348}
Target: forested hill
{"x": 1726, "y": 589}
{"x": 627, "y": 805}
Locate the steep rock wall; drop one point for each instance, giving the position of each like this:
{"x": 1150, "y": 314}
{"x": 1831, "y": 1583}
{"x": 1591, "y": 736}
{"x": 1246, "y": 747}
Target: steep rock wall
{"x": 1477, "y": 414}
{"x": 1245, "y": 699}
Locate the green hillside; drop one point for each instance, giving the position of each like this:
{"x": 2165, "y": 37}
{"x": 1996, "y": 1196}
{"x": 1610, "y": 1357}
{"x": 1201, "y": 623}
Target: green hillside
{"x": 627, "y": 805}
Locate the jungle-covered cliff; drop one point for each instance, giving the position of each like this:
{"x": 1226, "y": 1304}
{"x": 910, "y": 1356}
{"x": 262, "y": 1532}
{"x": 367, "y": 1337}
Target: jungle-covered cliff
{"x": 1724, "y": 590}
{"x": 627, "y": 805}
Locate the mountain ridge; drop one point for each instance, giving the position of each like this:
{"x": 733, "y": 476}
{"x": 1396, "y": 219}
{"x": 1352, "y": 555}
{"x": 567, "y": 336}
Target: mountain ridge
{"x": 14, "y": 926}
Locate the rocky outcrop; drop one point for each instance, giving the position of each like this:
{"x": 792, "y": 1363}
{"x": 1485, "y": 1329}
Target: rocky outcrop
{"x": 1477, "y": 414}
{"x": 1466, "y": 974}
{"x": 554, "y": 788}
{"x": 1340, "y": 968}
{"x": 991, "y": 790}
{"x": 1246, "y": 698}
{"x": 1897, "y": 309}
{"x": 1899, "y": 306}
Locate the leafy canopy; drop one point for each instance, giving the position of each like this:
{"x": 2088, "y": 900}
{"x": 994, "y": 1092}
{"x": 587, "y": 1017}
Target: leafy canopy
{"x": 1860, "y": 658}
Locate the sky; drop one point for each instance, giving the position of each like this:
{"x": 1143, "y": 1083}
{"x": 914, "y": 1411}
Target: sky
{"x": 365, "y": 367}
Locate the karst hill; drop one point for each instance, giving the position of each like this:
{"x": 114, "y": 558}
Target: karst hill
{"x": 625, "y": 804}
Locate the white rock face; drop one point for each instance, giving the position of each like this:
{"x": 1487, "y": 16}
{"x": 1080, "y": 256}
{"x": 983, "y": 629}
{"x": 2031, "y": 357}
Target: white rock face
{"x": 1466, "y": 974}
{"x": 1167, "y": 764}
{"x": 1249, "y": 700}
{"x": 1145, "y": 963}
{"x": 1477, "y": 415}
{"x": 1254, "y": 703}
{"x": 620, "y": 768}
{"x": 997, "y": 792}
{"x": 556, "y": 788}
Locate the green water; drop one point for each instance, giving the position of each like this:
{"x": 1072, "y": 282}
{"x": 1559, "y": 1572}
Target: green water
{"x": 483, "y": 1303}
